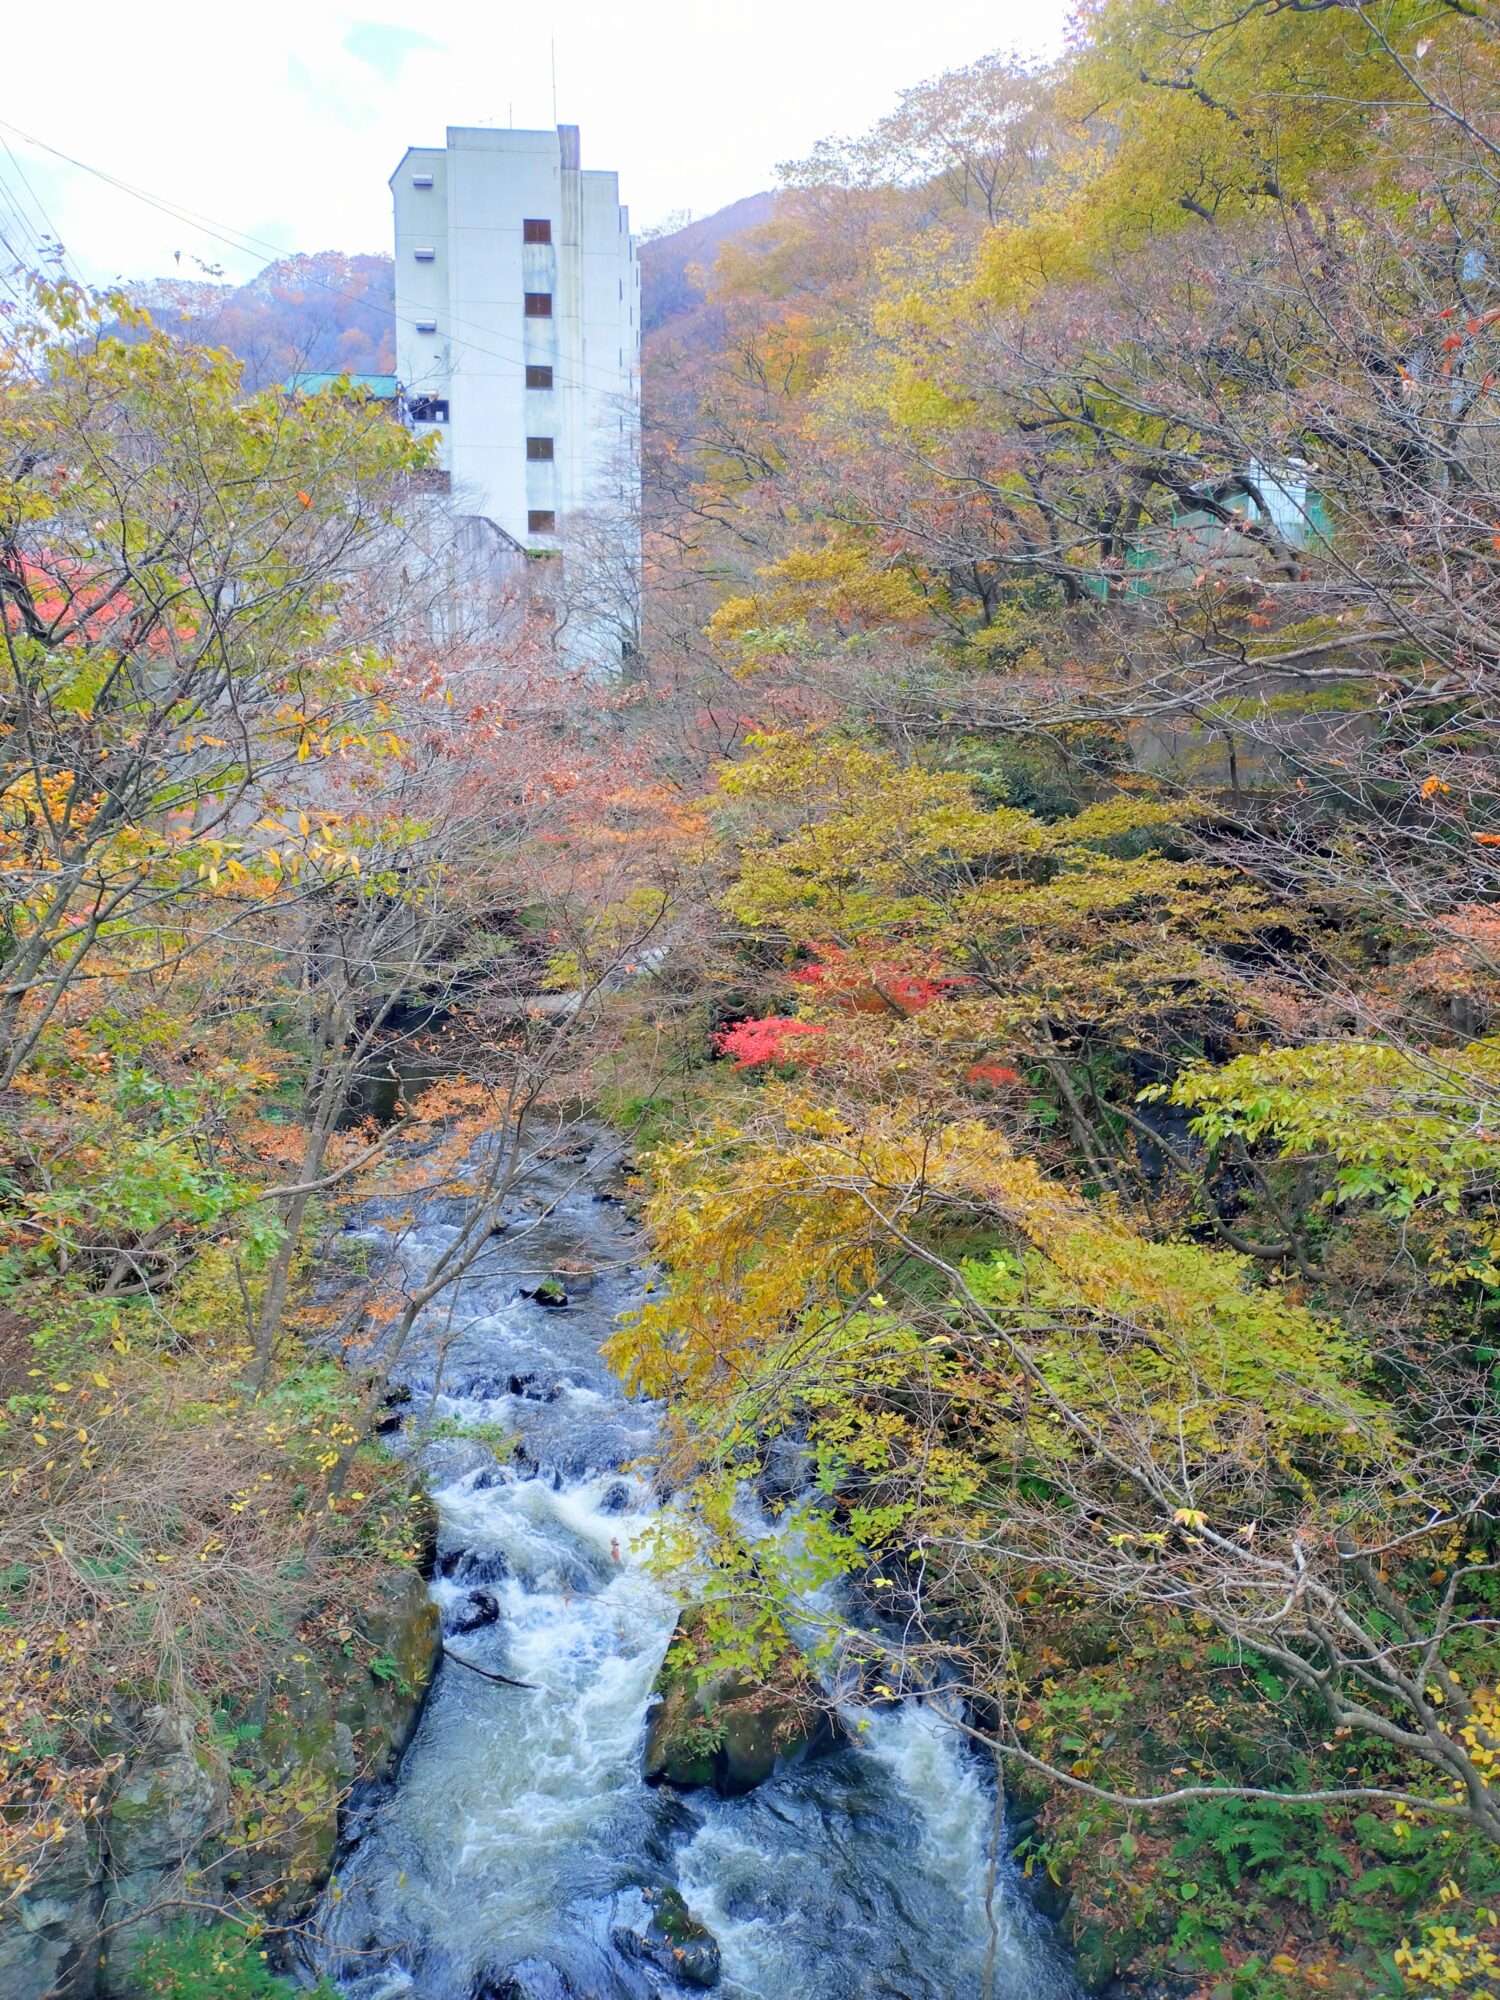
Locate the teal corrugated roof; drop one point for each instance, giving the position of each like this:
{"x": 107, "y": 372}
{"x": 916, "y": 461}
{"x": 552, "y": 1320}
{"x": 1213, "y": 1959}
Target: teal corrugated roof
{"x": 383, "y": 388}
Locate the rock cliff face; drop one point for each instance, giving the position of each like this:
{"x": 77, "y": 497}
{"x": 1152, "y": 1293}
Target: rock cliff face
{"x": 199, "y": 1815}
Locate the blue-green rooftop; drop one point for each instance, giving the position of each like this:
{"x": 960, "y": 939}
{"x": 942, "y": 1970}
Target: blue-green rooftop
{"x": 380, "y": 388}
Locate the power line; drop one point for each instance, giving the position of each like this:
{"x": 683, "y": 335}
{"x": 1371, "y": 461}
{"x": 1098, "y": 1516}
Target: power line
{"x": 48, "y": 225}
{"x": 33, "y": 245}
{"x": 241, "y": 240}
{"x": 26, "y": 250}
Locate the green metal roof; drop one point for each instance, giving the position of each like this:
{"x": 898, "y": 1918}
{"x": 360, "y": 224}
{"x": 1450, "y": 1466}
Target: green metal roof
{"x": 381, "y": 388}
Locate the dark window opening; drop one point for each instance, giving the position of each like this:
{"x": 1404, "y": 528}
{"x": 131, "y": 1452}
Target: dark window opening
{"x": 541, "y": 521}
{"x": 428, "y": 409}
{"x": 539, "y": 447}
{"x": 539, "y": 305}
{"x": 536, "y": 229}
{"x": 538, "y": 377}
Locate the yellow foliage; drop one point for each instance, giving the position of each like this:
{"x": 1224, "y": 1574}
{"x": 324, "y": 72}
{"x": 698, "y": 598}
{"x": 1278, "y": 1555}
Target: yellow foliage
{"x": 839, "y": 582}
{"x": 776, "y": 1236}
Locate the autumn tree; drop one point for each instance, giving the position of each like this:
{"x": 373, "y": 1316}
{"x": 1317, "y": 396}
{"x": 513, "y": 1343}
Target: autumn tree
{"x": 295, "y": 790}
{"x": 172, "y": 555}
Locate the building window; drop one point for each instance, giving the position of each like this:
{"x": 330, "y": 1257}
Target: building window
{"x": 539, "y": 447}
{"x": 541, "y": 521}
{"x": 428, "y": 409}
{"x": 536, "y": 229}
{"x": 537, "y": 376}
{"x": 424, "y": 253}
{"x": 538, "y": 304}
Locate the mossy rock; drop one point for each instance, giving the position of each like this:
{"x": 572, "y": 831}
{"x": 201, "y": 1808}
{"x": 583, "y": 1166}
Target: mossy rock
{"x": 249, "y": 1808}
{"x": 672, "y": 1940}
{"x": 423, "y": 1519}
{"x": 164, "y": 1834}
{"x": 1100, "y": 1955}
{"x": 379, "y": 1697}
{"x": 49, "y": 1944}
{"x": 730, "y": 1729}
{"x": 295, "y": 1780}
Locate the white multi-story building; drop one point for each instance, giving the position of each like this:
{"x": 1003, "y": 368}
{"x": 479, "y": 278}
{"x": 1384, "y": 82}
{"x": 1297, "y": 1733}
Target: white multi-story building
{"x": 518, "y": 327}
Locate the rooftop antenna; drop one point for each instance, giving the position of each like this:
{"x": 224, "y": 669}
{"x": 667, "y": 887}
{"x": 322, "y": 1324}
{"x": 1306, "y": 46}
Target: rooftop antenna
{"x": 554, "y": 79}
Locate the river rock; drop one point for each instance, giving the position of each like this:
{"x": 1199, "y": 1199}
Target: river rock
{"x": 671, "y": 1939}
{"x": 394, "y": 1407}
{"x": 730, "y": 1730}
{"x": 786, "y": 1471}
{"x": 447, "y": 1459}
{"x": 478, "y": 1609}
{"x": 473, "y": 1569}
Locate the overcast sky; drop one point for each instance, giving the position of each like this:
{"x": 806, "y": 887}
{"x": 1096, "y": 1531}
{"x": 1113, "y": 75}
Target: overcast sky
{"x": 277, "y": 122}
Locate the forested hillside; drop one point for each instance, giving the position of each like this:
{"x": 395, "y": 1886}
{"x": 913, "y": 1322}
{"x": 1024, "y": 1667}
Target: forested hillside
{"x": 257, "y": 871}
{"x": 320, "y": 314}
{"x": 1031, "y": 915}
{"x": 328, "y": 313}
{"x": 1092, "y": 508}
{"x": 677, "y": 265}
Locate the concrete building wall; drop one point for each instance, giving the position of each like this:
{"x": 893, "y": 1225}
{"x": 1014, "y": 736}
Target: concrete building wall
{"x": 464, "y": 338}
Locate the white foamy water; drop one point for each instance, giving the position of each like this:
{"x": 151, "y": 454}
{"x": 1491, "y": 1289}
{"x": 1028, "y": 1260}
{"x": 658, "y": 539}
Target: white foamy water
{"x": 519, "y": 1836}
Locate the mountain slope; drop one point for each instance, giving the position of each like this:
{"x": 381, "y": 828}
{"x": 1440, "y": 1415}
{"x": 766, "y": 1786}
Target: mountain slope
{"x": 668, "y": 288}
{"x": 322, "y": 312}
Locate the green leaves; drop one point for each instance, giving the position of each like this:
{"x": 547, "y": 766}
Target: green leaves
{"x": 1414, "y": 1133}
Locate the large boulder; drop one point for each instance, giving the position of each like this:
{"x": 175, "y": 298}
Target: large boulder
{"x": 730, "y": 1729}
{"x": 325, "y": 1714}
{"x": 291, "y": 1762}
{"x": 49, "y": 1943}
{"x": 422, "y": 1525}
{"x": 163, "y": 1834}
{"x": 179, "y": 1831}
{"x": 381, "y": 1702}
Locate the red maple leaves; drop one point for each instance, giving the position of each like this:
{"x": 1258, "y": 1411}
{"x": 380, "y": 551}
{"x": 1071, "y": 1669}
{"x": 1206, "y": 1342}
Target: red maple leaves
{"x": 771, "y": 1039}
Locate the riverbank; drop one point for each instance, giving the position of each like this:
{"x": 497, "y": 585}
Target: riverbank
{"x": 522, "y": 1852}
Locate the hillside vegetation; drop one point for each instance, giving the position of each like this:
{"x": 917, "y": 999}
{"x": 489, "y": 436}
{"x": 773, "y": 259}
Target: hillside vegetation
{"x": 1033, "y": 907}
{"x": 324, "y": 313}
{"x": 1082, "y": 552}
{"x": 265, "y": 846}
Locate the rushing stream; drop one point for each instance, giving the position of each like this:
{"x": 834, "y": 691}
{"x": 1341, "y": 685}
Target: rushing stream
{"x": 509, "y": 1859}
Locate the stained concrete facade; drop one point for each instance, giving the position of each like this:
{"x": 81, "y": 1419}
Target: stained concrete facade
{"x": 518, "y": 326}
